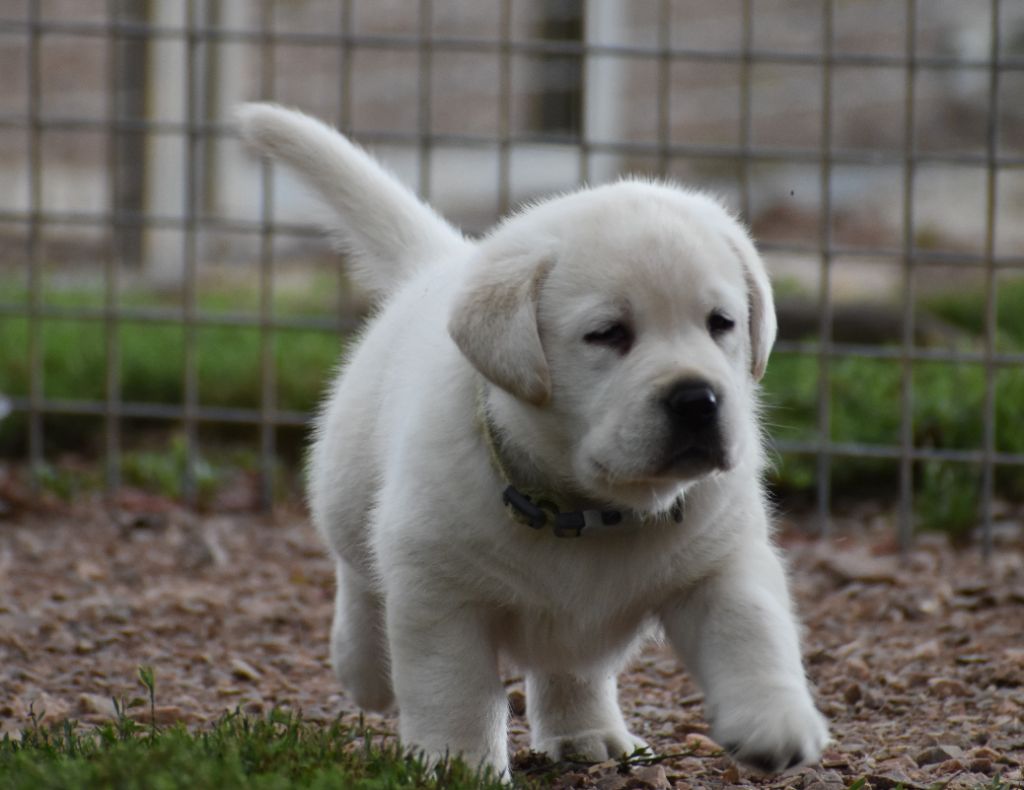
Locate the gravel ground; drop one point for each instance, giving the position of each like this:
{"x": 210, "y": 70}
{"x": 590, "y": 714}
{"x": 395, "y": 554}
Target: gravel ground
{"x": 918, "y": 663}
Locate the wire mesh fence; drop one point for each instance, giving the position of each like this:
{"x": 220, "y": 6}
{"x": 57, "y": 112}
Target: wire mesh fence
{"x": 875, "y": 148}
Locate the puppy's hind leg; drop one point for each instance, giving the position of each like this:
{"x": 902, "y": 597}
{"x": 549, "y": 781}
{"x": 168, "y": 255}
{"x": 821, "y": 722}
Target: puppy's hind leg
{"x": 578, "y": 714}
{"x": 359, "y": 652}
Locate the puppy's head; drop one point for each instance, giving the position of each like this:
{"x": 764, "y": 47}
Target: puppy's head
{"x": 629, "y": 324}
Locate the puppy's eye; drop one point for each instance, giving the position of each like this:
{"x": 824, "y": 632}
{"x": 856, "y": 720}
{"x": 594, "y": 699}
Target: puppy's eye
{"x": 719, "y": 323}
{"x": 617, "y": 336}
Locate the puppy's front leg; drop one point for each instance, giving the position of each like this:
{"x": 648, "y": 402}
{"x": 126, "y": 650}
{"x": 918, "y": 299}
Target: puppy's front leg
{"x": 445, "y": 673}
{"x": 736, "y": 633}
{"x": 578, "y": 714}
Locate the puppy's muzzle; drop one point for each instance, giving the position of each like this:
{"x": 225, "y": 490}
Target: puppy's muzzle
{"x": 693, "y": 409}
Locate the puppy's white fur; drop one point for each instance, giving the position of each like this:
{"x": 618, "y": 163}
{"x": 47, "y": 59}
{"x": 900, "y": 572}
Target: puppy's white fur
{"x": 435, "y": 581}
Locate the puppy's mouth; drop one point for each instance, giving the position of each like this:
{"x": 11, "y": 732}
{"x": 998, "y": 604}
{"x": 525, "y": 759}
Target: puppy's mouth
{"x": 678, "y": 465}
{"x": 653, "y": 484}
{"x": 695, "y": 456}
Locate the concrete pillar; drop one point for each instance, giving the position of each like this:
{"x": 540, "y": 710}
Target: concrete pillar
{"x": 602, "y": 84}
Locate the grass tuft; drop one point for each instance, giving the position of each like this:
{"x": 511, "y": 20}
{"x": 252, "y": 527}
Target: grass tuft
{"x": 280, "y": 750}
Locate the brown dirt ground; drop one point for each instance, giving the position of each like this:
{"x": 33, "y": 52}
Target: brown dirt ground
{"x": 918, "y": 662}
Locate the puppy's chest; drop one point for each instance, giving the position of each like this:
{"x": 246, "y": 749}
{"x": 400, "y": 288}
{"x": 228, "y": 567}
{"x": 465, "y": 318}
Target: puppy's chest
{"x": 569, "y": 603}
{"x": 554, "y": 640}
{"x": 574, "y": 578}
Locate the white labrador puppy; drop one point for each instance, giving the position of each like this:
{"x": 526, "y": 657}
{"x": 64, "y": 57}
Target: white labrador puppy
{"x": 545, "y": 447}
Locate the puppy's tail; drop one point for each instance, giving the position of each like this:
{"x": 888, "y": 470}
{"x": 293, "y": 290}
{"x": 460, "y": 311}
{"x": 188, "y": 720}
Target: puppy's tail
{"x": 386, "y": 229}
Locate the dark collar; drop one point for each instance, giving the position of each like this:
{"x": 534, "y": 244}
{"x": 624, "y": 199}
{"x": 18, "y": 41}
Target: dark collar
{"x": 537, "y": 508}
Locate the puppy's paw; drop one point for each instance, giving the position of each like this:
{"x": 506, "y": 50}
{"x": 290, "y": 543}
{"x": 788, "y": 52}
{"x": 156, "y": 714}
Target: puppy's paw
{"x": 592, "y": 745}
{"x": 770, "y": 735}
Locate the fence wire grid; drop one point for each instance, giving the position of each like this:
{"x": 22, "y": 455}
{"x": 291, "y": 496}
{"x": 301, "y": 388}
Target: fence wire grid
{"x": 875, "y": 148}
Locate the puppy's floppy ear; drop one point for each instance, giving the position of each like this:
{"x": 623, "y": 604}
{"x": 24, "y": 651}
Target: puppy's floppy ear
{"x": 494, "y": 324}
{"x": 763, "y": 324}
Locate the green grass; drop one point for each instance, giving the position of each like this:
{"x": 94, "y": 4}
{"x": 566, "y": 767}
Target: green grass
{"x": 228, "y": 361}
{"x": 865, "y": 408}
{"x": 948, "y": 404}
{"x": 948, "y": 398}
{"x": 278, "y": 751}
{"x": 152, "y": 360}
{"x": 966, "y": 310}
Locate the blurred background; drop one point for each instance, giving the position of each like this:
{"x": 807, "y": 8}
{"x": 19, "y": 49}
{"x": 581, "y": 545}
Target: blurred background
{"x": 170, "y": 314}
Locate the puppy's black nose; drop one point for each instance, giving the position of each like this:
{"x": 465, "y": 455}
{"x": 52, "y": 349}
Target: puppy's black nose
{"x": 693, "y": 403}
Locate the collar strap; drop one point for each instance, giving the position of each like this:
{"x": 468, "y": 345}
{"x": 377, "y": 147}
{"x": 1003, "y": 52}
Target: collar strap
{"x": 566, "y": 524}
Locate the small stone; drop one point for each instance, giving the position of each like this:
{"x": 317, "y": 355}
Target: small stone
{"x": 937, "y": 754}
{"x": 96, "y": 703}
{"x": 970, "y": 603}
{"x": 895, "y": 682}
{"x": 832, "y": 759}
{"x": 847, "y": 650}
{"x": 852, "y": 694}
{"x": 818, "y": 784}
{"x": 29, "y": 543}
{"x": 858, "y": 668}
{"x": 243, "y": 670}
{"x": 87, "y": 570}
{"x": 731, "y": 775}
{"x": 948, "y": 687}
{"x": 929, "y": 649}
{"x": 849, "y": 566}
{"x": 612, "y": 782}
{"x": 702, "y": 745}
{"x": 892, "y": 780}
{"x": 829, "y": 778}
{"x": 929, "y": 606}
{"x": 651, "y": 776}
{"x": 517, "y": 702}
{"x": 852, "y": 747}
{"x": 971, "y": 586}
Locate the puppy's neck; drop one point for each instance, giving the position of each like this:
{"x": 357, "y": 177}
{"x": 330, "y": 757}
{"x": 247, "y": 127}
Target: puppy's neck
{"x": 524, "y": 453}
